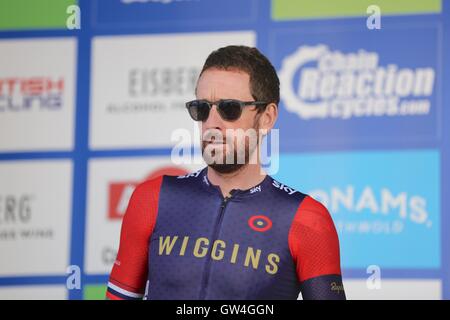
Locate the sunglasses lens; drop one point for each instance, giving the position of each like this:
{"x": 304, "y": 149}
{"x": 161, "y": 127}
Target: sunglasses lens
{"x": 198, "y": 110}
{"x": 230, "y": 110}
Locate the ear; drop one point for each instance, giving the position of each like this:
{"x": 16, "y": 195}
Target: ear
{"x": 268, "y": 117}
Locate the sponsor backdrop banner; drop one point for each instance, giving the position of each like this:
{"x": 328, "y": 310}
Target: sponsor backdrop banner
{"x": 92, "y": 95}
{"x": 344, "y": 85}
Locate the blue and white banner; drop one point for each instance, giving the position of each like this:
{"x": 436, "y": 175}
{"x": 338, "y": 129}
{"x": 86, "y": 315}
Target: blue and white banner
{"x": 385, "y": 205}
{"x": 356, "y": 85}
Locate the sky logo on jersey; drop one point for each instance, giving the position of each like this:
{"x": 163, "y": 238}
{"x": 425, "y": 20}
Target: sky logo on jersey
{"x": 135, "y": 13}
{"x": 192, "y": 175}
{"x": 254, "y": 189}
{"x": 283, "y": 187}
{"x": 386, "y": 213}
{"x": 346, "y": 85}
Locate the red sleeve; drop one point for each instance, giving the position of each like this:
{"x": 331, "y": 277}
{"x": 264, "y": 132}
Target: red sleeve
{"x": 313, "y": 241}
{"x": 129, "y": 274}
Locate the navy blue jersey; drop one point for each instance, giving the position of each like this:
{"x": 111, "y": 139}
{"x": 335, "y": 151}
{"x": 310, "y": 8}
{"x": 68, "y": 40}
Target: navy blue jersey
{"x": 181, "y": 239}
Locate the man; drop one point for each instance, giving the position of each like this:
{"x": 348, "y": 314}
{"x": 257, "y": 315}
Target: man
{"x": 229, "y": 231}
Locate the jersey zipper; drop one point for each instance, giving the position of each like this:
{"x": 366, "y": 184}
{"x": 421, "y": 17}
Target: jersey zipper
{"x": 205, "y": 279}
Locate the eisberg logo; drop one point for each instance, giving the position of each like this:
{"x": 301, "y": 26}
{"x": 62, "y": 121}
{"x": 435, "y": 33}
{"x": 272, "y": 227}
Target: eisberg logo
{"x": 156, "y": 84}
{"x": 340, "y": 85}
{"x": 17, "y": 219}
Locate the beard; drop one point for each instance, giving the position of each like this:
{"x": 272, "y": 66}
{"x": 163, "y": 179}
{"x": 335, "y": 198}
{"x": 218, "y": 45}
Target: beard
{"x": 219, "y": 157}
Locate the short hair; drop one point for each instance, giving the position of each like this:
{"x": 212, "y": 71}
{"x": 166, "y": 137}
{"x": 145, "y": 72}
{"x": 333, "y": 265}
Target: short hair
{"x": 264, "y": 82}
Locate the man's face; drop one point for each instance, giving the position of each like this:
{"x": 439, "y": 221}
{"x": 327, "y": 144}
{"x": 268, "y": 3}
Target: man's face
{"x": 218, "y": 151}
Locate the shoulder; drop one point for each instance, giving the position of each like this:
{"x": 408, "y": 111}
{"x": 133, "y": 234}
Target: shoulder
{"x": 154, "y": 187}
{"x": 184, "y": 179}
{"x": 314, "y": 215}
{"x": 148, "y": 187}
{"x": 155, "y": 183}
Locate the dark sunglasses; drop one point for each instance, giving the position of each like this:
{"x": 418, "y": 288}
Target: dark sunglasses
{"x": 229, "y": 109}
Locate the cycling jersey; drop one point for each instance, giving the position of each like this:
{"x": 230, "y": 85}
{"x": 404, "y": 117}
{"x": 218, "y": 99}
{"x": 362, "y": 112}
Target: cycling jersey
{"x": 181, "y": 239}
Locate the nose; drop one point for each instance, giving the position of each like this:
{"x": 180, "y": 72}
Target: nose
{"x": 214, "y": 119}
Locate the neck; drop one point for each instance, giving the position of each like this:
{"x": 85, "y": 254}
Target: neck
{"x": 245, "y": 178}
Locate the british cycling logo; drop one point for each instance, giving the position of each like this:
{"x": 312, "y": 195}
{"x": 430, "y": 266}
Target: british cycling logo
{"x": 40, "y": 93}
{"x": 340, "y": 85}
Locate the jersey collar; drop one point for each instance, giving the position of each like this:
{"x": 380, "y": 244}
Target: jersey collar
{"x": 235, "y": 193}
